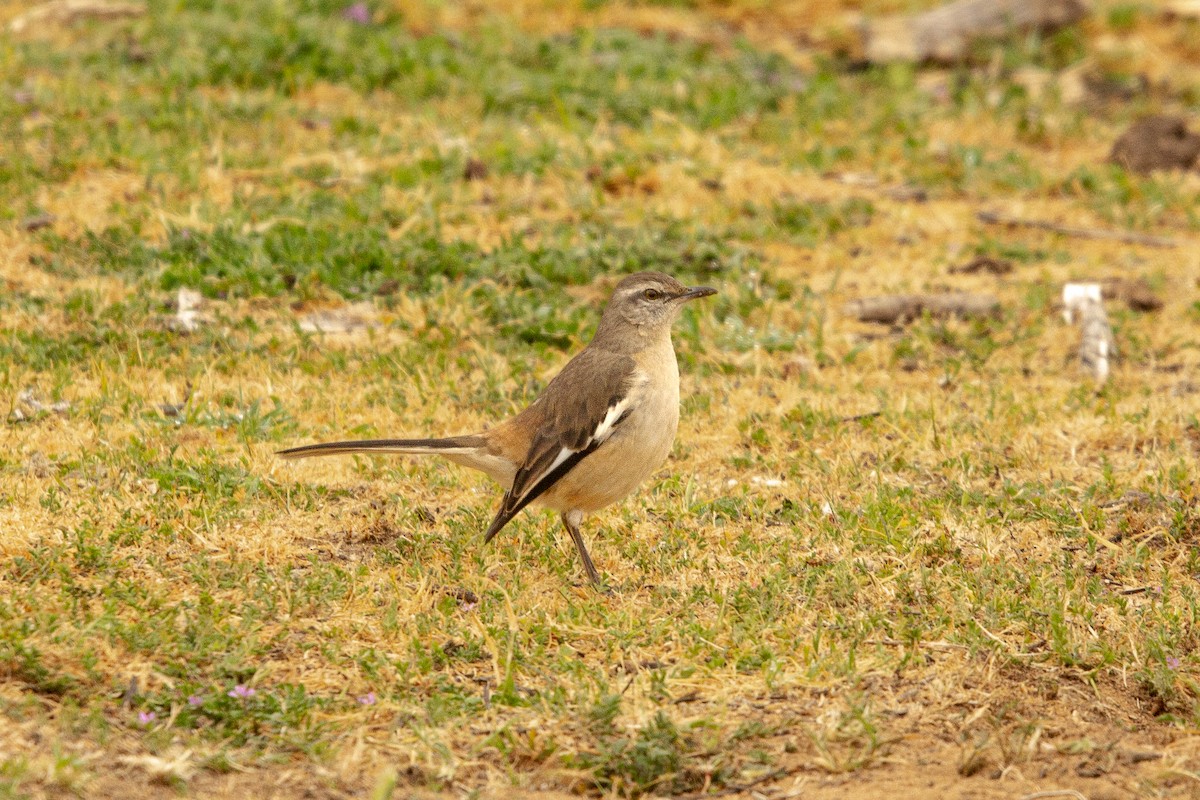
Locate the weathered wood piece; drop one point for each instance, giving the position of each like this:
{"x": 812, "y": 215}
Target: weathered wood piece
{"x": 945, "y": 33}
{"x": 888, "y": 309}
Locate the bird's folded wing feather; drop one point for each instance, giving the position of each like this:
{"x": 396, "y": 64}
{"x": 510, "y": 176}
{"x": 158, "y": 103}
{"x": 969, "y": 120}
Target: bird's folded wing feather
{"x": 579, "y": 410}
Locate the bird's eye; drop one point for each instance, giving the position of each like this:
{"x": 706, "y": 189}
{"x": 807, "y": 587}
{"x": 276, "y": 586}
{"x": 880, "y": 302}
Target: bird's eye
{"x": 652, "y": 294}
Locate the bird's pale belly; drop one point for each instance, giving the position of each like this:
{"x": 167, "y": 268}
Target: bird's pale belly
{"x": 635, "y": 450}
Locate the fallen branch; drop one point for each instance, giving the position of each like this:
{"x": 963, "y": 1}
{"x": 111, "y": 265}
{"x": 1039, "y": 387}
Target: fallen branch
{"x": 37, "y": 222}
{"x": 900, "y": 192}
{"x": 1186, "y": 9}
{"x": 937, "y": 644}
{"x": 66, "y": 12}
{"x": 1128, "y": 237}
{"x": 988, "y": 264}
{"x": 945, "y": 34}
{"x": 888, "y": 309}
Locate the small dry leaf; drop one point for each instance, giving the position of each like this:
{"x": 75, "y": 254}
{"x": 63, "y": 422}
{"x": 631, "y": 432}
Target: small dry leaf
{"x": 1135, "y": 293}
{"x": 475, "y": 170}
{"x": 797, "y": 367}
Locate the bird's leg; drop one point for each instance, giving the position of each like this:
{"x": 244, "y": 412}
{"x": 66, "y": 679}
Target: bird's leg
{"x": 571, "y": 520}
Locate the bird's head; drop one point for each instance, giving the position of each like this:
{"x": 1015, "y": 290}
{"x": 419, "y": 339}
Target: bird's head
{"x": 650, "y": 300}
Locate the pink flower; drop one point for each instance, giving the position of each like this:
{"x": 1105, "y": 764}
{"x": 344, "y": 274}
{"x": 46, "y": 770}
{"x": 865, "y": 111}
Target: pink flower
{"x": 195, "y": 701}
{"x": 146, "y": 717}
{"x": 242, "y": 692}
{"x": 358, "y": 13}
{"x": 367, "y": 699}
{"x": 1172, "y": 662}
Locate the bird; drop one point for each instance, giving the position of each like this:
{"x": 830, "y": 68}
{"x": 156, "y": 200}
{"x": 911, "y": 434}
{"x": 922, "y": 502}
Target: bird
{"x": 601, "y": 426}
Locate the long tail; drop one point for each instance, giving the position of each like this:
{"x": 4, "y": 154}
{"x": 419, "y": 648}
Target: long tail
{"x": 453, "y": 445}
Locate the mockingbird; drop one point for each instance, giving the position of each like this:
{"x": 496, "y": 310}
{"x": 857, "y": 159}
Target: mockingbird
{"x": 599, "y": 429}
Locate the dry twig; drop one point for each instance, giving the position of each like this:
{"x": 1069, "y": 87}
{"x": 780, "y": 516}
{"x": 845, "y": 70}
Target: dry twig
{"x": 67, "y": 11}
{"x": 988, "y": 264}
{"x": 1129, "y": 237}
{"x": 932, "y": 644}
{"x": 945, "y": 33}
{"x": 892, "y": 308}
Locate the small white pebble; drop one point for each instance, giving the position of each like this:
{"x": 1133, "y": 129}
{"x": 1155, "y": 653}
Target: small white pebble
{"x": 1076, "y": 295}
{"x": 758, "y": 480}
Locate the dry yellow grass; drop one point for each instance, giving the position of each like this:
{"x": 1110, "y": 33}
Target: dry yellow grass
{"x": 988, "y": 590}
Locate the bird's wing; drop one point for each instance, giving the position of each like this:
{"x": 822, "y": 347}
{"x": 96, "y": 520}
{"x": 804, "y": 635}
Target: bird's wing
{"x": 579, "y": 410}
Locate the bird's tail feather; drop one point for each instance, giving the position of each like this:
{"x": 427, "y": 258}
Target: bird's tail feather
{"x": 411, "y": 447}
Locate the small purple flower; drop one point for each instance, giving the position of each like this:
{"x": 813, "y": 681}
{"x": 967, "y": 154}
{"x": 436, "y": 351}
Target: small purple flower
{"x": 357, "y": 13}
{"x": 367, "y": 699}
{"x": 1172, "y": 662}
{"x": 195, "y": 701}
{"x": 146, "y": 717}
{"x": 242, "y": 692}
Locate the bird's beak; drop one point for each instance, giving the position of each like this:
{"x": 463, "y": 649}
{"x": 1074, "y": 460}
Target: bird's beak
{"x": 694, "y": 292}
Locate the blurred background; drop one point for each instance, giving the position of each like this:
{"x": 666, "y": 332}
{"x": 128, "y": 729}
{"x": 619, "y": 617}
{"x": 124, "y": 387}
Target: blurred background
{"x": 930, "y": 526}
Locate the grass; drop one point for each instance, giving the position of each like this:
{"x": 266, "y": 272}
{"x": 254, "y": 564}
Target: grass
{"x": 930, "y": 559}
